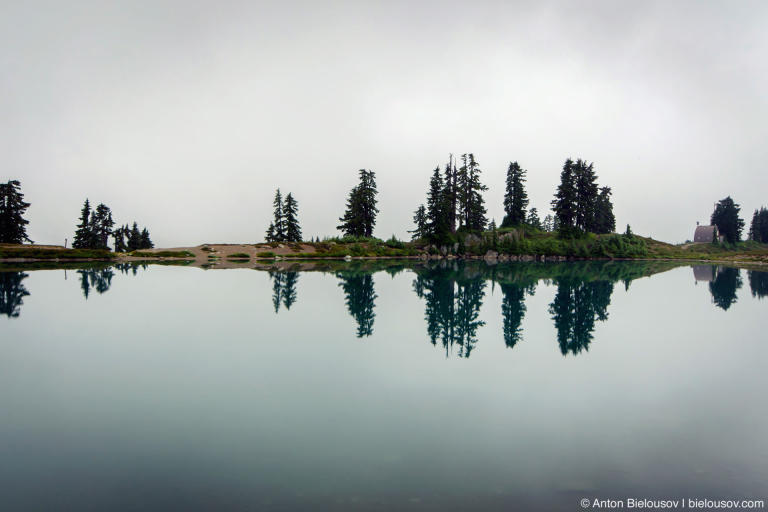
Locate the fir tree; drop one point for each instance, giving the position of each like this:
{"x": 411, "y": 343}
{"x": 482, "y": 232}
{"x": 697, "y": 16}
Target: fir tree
{"x": 290, "y": 215}
{"x": 144, "y": 241}
{"x": 533, "y": 219}
{"x": 134, "y": 238}
{"x": 471, "y": 204}
{"x": 438, "y": 222}
{"x": 83, "y": 237}
{"x": 278, "y": 224}
{"x": 548, "y": 223}
{"x": 586, "y": 195}
{"x": 564, "y": 204}
{"x": 13, "y": 228}
{"x": 758, "y": 229}
{"x": 515, "y": 197}
{"x": 360, "y": 215}
{"x": 101, "y": 227}
{"x": 422, "y": 224}
{"x": 726, "y": 218}
{"x": 119, "y": 239}
{"x": 450, "y": 196}
{"x": 604, "y": 220}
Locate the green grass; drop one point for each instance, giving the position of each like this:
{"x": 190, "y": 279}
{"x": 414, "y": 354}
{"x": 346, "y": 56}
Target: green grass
{"x": 162, "y": 254}
{"x": 265, "y": 254}
{"x": 239, "y": 256}
{"x": 31, "y": 252}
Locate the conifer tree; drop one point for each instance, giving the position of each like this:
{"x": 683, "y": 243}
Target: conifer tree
{"x": 726, "y": 218}
{"x": 532, "y": 219}
{"x": 548, "y": 223}
{"x": 13, "y": 228}
{"x": 290, "y": 215}
{"x": 278, "y": 224}
{"x": 438, "y": 223}
{"x": 134, "y": 238}
{"x": 604, "y": 220}
{"x": 422, "y": 223}
{"x": 758, "y": 229}
{"x": 515, "y": 197}
{"x": 83, "y": 238}
{"x": 450, "y": 196}
{"x": 360, "y": 215}
{"x": 586, "y": 195}
{"x": 564, "y": 204}
{"x": 471, "y": 204}
{"x": 101, "y": 227}
{"x": 144, "y": 241}
{"x": 119, "y": 239}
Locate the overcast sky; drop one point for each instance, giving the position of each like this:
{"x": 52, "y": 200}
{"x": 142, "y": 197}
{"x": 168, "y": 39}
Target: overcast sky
{"x": 186, "y": 116}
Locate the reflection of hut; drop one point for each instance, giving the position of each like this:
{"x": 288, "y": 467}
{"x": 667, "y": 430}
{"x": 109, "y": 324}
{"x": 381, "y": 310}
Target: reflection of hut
{"x": 706, "y": 234}
{"x": 704, "y": 273}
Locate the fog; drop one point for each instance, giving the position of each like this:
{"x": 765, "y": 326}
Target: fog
{"x": 186, "y": 116}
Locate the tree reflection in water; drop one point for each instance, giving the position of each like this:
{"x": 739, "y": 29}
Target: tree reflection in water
{"x": 12, "y": 293}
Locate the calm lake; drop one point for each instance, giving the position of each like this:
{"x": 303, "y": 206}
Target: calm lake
{"x": 381, "y": 386}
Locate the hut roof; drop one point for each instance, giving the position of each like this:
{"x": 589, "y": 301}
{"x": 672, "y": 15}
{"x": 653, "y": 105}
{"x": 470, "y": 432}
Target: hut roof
{"x": 705, "y": 234}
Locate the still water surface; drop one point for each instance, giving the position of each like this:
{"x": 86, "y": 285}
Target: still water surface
{"x": 381, "y": 386}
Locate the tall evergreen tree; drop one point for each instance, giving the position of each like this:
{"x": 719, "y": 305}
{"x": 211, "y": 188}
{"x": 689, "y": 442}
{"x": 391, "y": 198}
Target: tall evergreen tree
{"x": 586, "y": 195}
{"x": 101, "y": 227}
{"x": 450, "y": 196}
{"x": 471, "y": 204}
{"x": 758, "y": 229}
{"x": 119, "y": 236}
{"x": 548, "y": 223}
{"x": 144, "y": 241}
{"x": 290, "y": 214}
{"x": 422, "y": 223}
{"x": 13, "y": 228}
{"x": 726, "y": 218}
{"x": 83, "y": 237}
{"x": 360, "y": 215}
{"x": 604, "y": 220}
{"x": 564, "y": 204}
{"x": 278, "y": 222}
{"x": 438, "y": 221}
{"x": 134, "y": 238}
{"x": 515, "y": 197}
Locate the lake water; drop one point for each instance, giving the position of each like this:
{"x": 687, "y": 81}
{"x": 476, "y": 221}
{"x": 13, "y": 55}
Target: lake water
{"x": 381, "y": 386}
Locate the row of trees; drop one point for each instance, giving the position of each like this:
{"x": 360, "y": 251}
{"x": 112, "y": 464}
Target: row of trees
{"x": 581, "y": 206}
{"x": 285, "y": 224}
{"x": 456, "y": 195}
{"x": 96, "y": 228}
{"x": 454, "y": 201}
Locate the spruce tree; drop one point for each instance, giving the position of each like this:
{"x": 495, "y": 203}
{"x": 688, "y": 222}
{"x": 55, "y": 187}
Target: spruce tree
{"x": 758, "y": 229}
{"x": 604, "y": 220}
{"x": 533, "y": 219}
{"x": 144, "y": 241}
{"x": 134, "y": 238}
{"x": 437, "y": 218}
{"x": 360, "y": 215}
{"x": 564, "y": 204}
{"x": 101, "y": 227}
{"x": 119, "y": 239}
{"x": 726, "y": 218}
{"x": 12, "y": 208}
{"x": 586, "y": 195}
{"x": 270, "y": 234}
{"x": 450, "y": 196}
{"x": 471, "y": 204}
{"x": 278, "y": 224}
{"x": 290, "y": 214}
{"x": 83, "y": 237}
{"x": 422, "y": 223}
{"x": 515, "y": 197}
{"x": 548, "y": 223}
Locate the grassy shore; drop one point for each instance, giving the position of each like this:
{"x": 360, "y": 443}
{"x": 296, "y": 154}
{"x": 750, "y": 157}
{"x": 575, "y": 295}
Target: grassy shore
{"x": 504, "y": 244}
